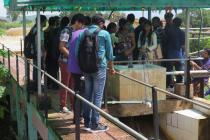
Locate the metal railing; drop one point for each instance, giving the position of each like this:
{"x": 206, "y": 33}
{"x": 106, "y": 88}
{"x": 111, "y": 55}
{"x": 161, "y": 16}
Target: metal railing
{"x": 112, "y": 119}
{"x": 78, "y": 98}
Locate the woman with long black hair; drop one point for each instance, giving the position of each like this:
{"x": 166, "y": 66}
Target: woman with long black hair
{"x": 147, "y": 42}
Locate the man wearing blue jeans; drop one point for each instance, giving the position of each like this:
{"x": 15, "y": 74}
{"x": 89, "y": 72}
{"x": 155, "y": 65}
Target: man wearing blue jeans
{"x": 95, "y": 82}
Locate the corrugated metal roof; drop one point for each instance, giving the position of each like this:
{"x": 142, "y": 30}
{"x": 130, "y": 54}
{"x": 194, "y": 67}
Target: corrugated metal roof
{"x": 103, "y": 5}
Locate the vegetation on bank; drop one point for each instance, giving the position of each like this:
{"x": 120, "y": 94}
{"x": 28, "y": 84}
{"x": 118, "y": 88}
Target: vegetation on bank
{"x": 4, "y": 26}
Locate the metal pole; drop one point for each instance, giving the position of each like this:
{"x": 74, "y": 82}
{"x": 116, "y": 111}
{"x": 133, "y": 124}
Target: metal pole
{"x": 187, "y": 30}
{"x": 17, "y": 69}
{"x": 155, "y": 113}
{"x": 149, "y": 14}
{"x": 188, "y": 80}
{"x": 27, "y": 67}
{"x": 9, "y": 60}
{"x": 105, "y": 96}
{"x": 39, "y": 52}
{"x": 21, "y": 47}
{"x": 77, "y": 116}
{"x": 115, "y": 121}
{"x": 187, "y": 42}
{"x": 3, "y": 56}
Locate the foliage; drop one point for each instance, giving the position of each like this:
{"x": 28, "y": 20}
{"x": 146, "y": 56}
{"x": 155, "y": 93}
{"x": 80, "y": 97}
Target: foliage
{"x": 195, "y": 18}
{"x": 8, "y": 25}
{"x": 195, "y": 22}
{"x": 3, "y": 53}
{"x": 13, "y": 15}
{"x": 4, "y": 77}
{"x": 205, "y": 43}
{"x": 2, "y": 32}
{"x": 207, "y": 97}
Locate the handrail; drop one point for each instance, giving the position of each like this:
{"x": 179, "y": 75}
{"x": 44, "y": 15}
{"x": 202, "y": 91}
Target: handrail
{"x": 103, "y": 113}
{"x": 108, "y": 116}
{"x": 140, "y": 82}
{"x": 164, "y": 91}
{"x": 157, "y": 60}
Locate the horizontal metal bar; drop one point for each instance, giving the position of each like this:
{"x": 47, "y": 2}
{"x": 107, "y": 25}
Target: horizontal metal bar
{"x": 193, "y": 73}
{"x": 103, "y": 113}
{"x": 157, "y": 60}
{"x": 166, "y": 92}
{"x": 112, "y": 119}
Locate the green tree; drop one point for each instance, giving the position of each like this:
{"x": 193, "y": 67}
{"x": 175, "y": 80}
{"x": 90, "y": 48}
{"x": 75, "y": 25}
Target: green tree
{"x": 195, "y": 22}
{"x": 195, "y": 18}
{"x": 13, "y": 15}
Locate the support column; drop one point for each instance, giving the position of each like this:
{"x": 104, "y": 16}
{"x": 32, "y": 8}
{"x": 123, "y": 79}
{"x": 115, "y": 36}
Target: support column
{"x": 27, "y": 76}
{"x": 149, "y": 14}
{"x": 39, "y": 52}
{"x": 187, "y": 50}
{"x": 187, "y": 34}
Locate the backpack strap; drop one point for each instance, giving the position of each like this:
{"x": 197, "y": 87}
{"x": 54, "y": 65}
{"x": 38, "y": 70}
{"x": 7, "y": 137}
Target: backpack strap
{"x": 95, "y": 33}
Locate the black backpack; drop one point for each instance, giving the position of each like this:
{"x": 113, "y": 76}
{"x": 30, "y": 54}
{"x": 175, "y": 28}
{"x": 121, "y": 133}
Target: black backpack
{"x": 87, "y": 52}
{"x": 29, "y": 45}
{"x": 55, "y": 52}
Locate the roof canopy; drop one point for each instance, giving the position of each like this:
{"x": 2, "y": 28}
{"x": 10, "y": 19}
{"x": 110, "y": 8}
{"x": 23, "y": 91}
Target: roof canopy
{"x": 103, "y": 5}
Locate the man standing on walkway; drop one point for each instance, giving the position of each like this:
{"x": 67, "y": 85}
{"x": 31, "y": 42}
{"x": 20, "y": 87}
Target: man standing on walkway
{"x": 77, "y": 23}
{"x": 95, "y": 82}
{"x": 65, "y": 36}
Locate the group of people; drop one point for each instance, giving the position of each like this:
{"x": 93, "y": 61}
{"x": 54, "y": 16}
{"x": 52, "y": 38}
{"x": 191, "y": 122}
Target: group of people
{"x": 61, "y": 41}
{"x": 61, "y": 45}
{"x": 149, "y": 41}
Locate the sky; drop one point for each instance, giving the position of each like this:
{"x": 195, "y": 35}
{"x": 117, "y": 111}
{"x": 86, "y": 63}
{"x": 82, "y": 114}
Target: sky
{"x": 2, "y": 9}
{"x": 137, "y": 14}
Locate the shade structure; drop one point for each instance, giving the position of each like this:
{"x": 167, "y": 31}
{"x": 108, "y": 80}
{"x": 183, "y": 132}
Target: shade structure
{"x": 103, "y": 5}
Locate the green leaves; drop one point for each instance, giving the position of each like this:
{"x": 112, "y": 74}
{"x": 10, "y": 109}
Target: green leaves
{"x": 2, "y": 91}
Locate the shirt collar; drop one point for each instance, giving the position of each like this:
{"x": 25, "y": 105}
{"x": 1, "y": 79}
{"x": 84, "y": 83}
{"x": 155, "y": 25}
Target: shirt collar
{"x": 93, "y": 26}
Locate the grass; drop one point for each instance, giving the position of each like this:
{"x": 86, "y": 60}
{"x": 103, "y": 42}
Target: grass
{"x": 2, "y": 31}
{"x": 207, "y": 97}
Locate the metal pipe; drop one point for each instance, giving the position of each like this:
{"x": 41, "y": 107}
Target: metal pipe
{"x": 103, "y": 113}
{"x": 8, "y": 55}
{"x": 156, "y": 60}
{"x": 3, "y": 56}
{"x": 39, "y": 52}
{"x": 188, "y": 80}
{"x": 164, "y": 91}
{"x": 17, "y": 69}
{"x": 193, "y": 73}
{"x": 21, "y": 47}
{"x": 132, "y": 79}
{"x": 149, "y": 14}
{"x": 155, "y": 113}
{"x": 77, "y": 117}
{"x": 27, "y": 65}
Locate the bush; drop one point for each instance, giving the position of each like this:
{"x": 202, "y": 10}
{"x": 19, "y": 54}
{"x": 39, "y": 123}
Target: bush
{"x": 2, "y": 32}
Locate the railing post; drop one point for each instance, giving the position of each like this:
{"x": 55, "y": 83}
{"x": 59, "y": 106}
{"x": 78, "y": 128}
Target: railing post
{"x": 188, "y": 79}
{"x": 3, "y": 56}
{"x": 155, "y": 113}
{"x": 77, "y": 116}
{"x": 21, "y": 47}
{"x": 8, "y": 55}
{"x": 105, "y": 96}
{"x": 26, "y": 78}
{"x": 17, "y": 68}
{"x": 45, "y": 97}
